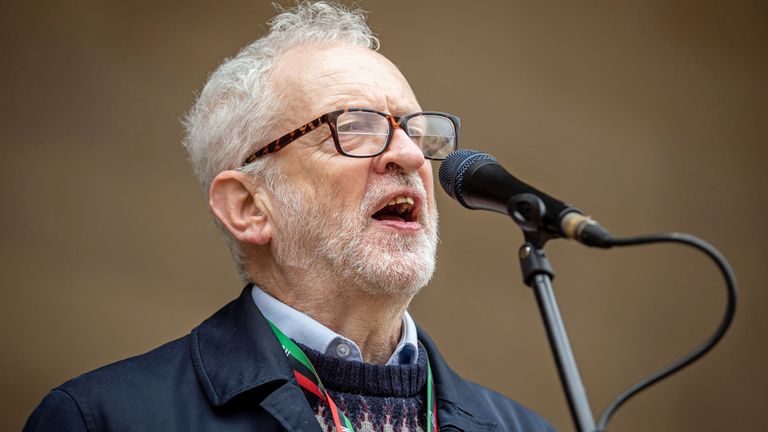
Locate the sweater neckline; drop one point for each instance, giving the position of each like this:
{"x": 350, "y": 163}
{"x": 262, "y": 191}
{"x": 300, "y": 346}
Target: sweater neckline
{"x": 351, "y": 376}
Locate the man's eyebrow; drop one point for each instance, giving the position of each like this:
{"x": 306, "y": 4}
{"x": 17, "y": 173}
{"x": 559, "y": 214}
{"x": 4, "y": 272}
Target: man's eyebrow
{"x": 391, "y": 105}
{"x": 348, "y": 101}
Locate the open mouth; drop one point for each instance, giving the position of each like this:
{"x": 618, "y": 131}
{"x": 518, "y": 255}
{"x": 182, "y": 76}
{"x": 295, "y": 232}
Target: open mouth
{"x": 400, "y": 208}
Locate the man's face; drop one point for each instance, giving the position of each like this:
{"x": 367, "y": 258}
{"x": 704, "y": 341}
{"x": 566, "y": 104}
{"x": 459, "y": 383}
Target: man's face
{"x": 333, "y": 213}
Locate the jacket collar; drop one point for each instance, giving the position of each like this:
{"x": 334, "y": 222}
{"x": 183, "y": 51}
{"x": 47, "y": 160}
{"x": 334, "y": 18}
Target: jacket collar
{"x": 235, "y": 351}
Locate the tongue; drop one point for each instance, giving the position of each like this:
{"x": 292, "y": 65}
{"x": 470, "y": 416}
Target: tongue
{"x": 390, "y": 217}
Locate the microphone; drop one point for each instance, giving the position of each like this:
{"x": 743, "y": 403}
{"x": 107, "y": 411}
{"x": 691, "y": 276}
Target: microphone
{"x": 478, "y": 182}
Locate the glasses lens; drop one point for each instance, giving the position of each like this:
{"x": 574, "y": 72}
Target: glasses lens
{"x": 435, "y": 134}
{"x": 362, "y": 133}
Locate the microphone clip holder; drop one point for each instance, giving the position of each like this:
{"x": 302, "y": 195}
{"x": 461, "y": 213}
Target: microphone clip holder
{"x": 528, "y": 211}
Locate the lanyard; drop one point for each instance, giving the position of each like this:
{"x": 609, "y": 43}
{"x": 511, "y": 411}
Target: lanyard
{"x": 340, "y": 421}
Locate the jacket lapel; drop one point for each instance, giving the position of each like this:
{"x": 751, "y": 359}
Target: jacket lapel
{"x": 285, "y": 406}
{"x": 235, "y": 351}
{"x": 458, "y": 406}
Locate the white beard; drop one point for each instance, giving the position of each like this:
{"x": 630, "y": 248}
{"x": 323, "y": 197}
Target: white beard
{"x": 332, "y": 244}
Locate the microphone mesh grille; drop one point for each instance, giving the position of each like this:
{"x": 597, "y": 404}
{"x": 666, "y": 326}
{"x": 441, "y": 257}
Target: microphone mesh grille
{"x": 454, "y": 167}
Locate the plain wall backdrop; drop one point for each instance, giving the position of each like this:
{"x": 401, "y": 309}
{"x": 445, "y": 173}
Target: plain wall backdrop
{"x": 650, "y": 115}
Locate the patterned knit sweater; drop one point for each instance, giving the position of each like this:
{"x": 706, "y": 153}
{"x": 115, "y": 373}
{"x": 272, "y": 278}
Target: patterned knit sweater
{"x": 375, "y": 398}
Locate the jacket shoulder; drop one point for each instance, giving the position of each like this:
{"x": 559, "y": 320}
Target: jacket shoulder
{"x": 140, "y": 373}
{"x": 58, "y": 411}
{"x": 512, "y": 416}
{"x": 138, "y": 382}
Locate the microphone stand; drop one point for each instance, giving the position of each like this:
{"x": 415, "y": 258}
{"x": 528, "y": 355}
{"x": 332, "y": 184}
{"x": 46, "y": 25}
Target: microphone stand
{"x": 528, "y": 210}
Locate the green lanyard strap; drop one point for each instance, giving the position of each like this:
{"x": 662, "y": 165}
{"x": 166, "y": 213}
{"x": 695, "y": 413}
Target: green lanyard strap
{"x": 293, "y": 352}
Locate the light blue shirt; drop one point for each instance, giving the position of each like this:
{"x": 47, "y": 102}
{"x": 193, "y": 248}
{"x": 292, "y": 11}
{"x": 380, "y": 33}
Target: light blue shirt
{"x": 303, "y": 329}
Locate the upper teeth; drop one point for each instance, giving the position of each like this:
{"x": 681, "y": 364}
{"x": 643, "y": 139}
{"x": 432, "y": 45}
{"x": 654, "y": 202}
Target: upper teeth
{"x": 401, "y": 203}
{"x": 401, "y": 199}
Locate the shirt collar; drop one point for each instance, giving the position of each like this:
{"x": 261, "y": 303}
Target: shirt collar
{"x": 305, "y": 330}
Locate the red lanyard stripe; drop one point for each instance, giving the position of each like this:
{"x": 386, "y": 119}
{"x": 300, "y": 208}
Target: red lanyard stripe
{"x": 308, "y": 385}
{"x": 311, "y": 387}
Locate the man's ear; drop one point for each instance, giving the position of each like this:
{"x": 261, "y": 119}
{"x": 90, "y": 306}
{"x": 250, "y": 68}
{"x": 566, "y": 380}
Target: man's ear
{"x": 240, "y": 206}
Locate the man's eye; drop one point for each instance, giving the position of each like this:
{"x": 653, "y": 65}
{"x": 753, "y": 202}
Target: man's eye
{"x": 353, "y": 126}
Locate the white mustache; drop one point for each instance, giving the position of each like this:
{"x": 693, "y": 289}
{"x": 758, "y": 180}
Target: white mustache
{"x": 386, "y": 186}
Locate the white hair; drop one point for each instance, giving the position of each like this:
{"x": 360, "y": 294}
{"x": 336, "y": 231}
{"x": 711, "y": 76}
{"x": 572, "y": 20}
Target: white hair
{"x": 235, "y": 113}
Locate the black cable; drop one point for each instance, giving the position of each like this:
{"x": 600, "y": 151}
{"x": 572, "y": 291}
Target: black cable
{"x": 730, "y": 282}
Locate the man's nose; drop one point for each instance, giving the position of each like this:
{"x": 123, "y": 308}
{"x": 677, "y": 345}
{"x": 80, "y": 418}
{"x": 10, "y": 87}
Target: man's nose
{"x": 402, "y": 152}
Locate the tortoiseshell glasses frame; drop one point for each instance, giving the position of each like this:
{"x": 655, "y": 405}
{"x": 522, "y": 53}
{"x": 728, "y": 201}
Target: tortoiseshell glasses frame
{"x": 435, "y": 144}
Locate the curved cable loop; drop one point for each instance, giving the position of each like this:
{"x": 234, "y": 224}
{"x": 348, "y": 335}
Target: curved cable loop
{"x": 707, "y": 345}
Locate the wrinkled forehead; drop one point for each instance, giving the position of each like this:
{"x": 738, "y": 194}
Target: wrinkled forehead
{"x": 314, "y": 80}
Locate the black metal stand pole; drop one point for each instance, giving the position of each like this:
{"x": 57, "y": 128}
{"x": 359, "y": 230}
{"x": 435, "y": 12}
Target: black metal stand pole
{"x": 537, "y": 274}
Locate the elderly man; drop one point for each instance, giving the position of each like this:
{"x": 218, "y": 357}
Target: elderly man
{"x": 314, "y": 153}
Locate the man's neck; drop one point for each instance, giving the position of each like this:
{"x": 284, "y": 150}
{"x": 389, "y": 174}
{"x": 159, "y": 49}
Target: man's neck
{"x": 373, "y": 322}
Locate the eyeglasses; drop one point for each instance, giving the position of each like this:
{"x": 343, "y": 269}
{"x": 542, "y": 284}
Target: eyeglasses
{"x": 364, "y": 133}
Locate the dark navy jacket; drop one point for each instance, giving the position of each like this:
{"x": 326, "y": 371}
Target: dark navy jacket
{"x": 230, "y": 374}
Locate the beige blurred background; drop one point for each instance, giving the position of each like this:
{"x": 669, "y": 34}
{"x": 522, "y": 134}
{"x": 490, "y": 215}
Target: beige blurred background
{"x": 650, "y": 115}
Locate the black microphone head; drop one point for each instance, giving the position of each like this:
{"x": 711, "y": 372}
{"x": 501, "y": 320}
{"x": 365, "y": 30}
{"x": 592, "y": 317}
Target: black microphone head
{"x": 452, "y": 171}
